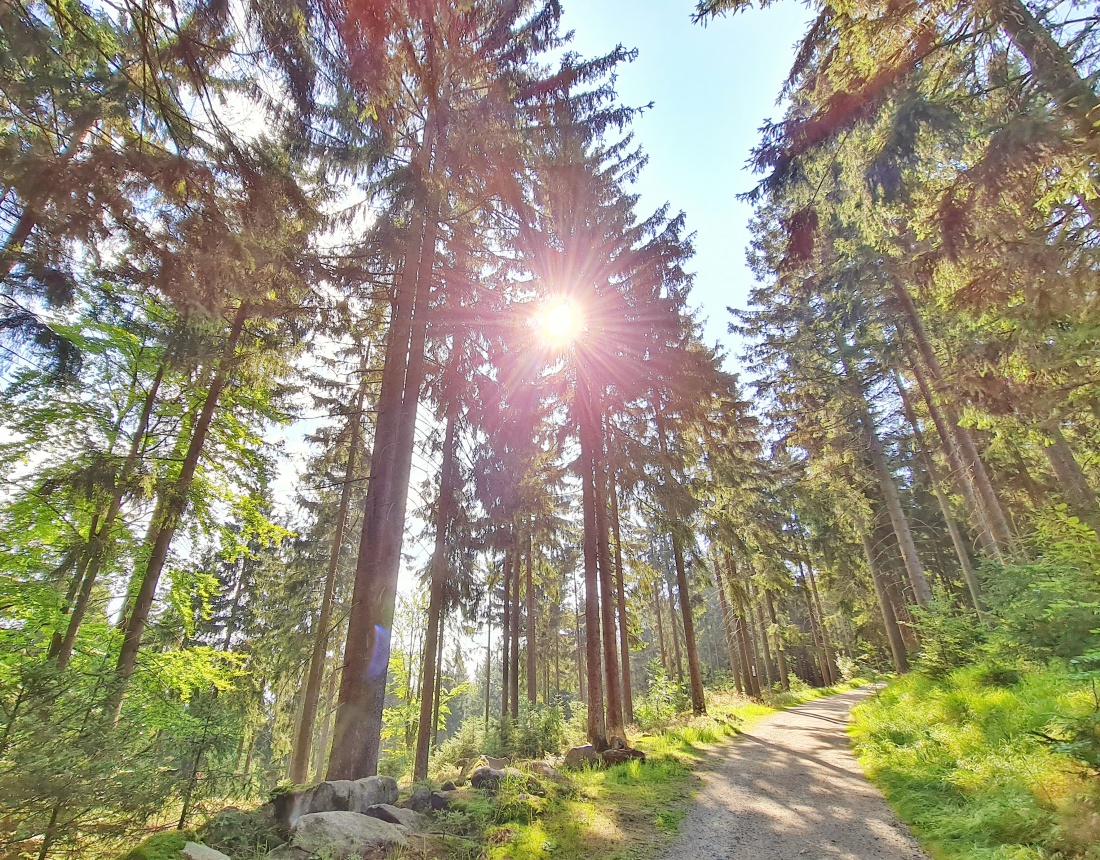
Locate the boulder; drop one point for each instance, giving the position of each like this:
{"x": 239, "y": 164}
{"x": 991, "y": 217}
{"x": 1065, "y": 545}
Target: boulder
{"x": 620, "y": 756}
{"x": 198, "y": 851}
{"x": 448, "y": 786}
{"x": 419, "y": 801}
{"x": 396, "y": 815}
{"x": 543, "y": 768}
{"x": 486, "y": 777}
{"x": 578, "y": 757}
{"x": 340, "y": 836}
{"x": 495, "y": 763}
{"x": 439, "y": 802}
{"x": 338, "y": 795}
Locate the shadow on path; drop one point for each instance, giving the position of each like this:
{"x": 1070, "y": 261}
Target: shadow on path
{"x": 791, "y": 788}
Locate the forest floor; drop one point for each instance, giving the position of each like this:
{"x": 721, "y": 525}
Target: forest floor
{"x": 790, "y": 787}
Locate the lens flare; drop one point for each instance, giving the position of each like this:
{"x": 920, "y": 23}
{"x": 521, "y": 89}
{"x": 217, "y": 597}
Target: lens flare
{"x": 558, "y": 322}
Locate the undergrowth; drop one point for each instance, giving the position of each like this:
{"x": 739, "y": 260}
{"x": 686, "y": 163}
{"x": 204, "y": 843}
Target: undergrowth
{"x": 967, "y": 760}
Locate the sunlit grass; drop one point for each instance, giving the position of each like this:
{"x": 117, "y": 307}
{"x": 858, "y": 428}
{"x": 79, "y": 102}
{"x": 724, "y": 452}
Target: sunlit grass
{"x": 963, "y": 763}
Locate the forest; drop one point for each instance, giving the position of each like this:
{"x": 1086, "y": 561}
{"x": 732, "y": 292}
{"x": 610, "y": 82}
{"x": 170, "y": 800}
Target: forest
{"x": 356, "y": 415}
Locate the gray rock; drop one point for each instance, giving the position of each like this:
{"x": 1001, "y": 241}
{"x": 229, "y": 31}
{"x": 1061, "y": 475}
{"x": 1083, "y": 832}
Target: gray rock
{"x": 543, "y": 768}
{"x": 486, "y": 777}
{"x": 419, "y": 801}
{"x": 338, "y": 795}
{"x": 578, "y": 757}
{"x": 449, "y": 785}
{"x": 496, "y": 763}
{"x": 197, "y": 851}
{"x": 343, "y": 835}
{"x": 396, "y": 815}
{"x": 439, "y": 802}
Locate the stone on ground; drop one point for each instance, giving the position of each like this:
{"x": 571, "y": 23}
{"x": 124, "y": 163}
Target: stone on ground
{"x": 198, "y": 851}
{"x": 339, "y": 836}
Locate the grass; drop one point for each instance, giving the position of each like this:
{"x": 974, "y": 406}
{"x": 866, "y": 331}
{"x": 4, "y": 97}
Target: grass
{"x": 963, "y": 762}
{"x": 631, "y": 811}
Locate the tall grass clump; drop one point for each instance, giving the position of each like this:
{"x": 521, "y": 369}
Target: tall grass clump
{"x": 969, "y": 759}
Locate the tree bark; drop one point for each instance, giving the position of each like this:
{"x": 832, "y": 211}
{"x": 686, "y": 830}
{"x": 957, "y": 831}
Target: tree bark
{"x": 999, "y": 530}
{"x": 677, "y": 654}
{"x": 357, "y": 734}
{"x": 1052, "y": 66}
{"x": 659, "y": 612}
{"x": 589, "y": 438}
{"x": 448, "y": 486}
{"x": 698, "y": 702}
{"x": 731, "y": 639}
{"x": 781, "y": 653}
{"x": 513, "y": 657}
{"x": 913, "y": 567}
{"x": 616, "y": 732}
{"x": 889, "y": 620}
{"x": 303, "y": 741}
{"x": 505, "y": 643}
{"x": 620, "y": 598}
{"x": 529, "y": 597}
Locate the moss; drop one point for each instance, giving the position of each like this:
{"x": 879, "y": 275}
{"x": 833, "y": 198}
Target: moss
{"x": 161, "y": 846}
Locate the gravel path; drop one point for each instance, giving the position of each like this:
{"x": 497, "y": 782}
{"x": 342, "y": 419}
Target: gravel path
{"x": 791, "y": 788}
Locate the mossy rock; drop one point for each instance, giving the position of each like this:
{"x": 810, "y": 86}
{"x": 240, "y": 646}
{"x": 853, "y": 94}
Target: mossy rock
{"x": 161, "y": 846}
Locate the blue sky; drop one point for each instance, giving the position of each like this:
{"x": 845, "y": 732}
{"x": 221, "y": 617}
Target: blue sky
{"x": 712, "y": 89}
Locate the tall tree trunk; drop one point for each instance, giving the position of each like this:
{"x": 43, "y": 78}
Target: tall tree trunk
{"x": 620, "y": 598}
{"x": 589, "y": 437}
{"x": 698, "y": 702}
{"x": 616, "y": 732}
{"x": 677, "y": 654}
{"x": 934, "y": 479}
{"x": 488, "y": 661}
{"x": 506, "y": 623}
{"x": 727, "y": 623}
{"x": 448, "y": 486}
{"x": 913, "y": 567}
{"x": 357, "y": 735}
{"x": 886, "y": 607}
{"x": 826, "y": 643}
{"x": 999, "y": 530}
{"x": 529, "y": 597}
{"x": 659, "y": 612}
{"x": 100, "y": 543}
{"x": 762, "y": 626}
{"x": 320, "y": 748}
{"x": 438, "y": 692}
{"x": 513, "y": 657}
{"x": 748, "y": 670}
{"x": 1052, "y": 65}
{"x": 164, "y": 529}
{"x": 1074, "y": 485}
{"x": 781, "y": 653}
{"x": 303, "y": 741}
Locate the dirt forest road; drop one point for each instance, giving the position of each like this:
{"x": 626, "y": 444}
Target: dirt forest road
{"x": 790, "y": 788}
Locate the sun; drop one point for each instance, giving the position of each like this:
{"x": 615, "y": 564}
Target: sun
{"x": 558, "y": 322}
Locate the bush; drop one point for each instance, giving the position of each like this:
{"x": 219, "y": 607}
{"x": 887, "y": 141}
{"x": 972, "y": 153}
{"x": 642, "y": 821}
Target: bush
{"x": 662, "y": 702}
{"x": 949, "y": 637}
{"x": 540, "y": 730}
